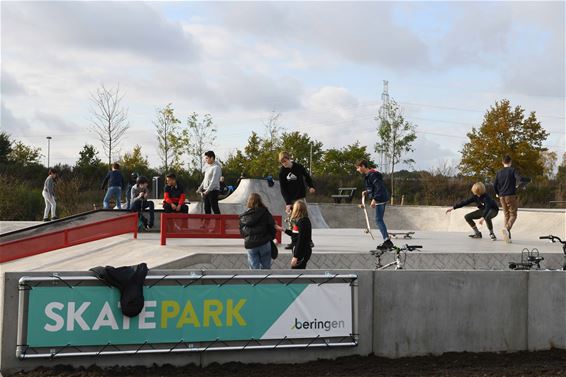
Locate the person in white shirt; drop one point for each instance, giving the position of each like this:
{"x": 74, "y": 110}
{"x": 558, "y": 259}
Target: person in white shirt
{"x": 210, "y": 186}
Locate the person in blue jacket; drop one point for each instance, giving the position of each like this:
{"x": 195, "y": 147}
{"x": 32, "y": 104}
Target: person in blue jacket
{"x": 377, "y": 192}
{"x": 115, "y": 182}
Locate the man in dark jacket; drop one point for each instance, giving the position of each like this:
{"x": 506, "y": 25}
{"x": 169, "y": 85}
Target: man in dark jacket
{"x": 115, "y": 183}
{"x": 292, "y": 178}
{"x": 174, "y": 196}
{"x": 487, "y": 210}
{"x": 377, "y": 192}
{"x": 506, "y": 182}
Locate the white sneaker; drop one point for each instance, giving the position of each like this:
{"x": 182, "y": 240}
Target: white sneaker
{"x": 506, "y": 235}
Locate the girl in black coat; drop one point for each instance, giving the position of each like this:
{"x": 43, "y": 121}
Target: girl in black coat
{"x": 258, "y": 229}
{"x": 302, "y": 229}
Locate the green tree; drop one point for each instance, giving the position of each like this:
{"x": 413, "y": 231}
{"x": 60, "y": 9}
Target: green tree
{"x": 340, "y": 162}
{"x": 88, "y": 157}
{"x": 397, "y": 136}
{"x": 301, "y": 148}
{"x": 170, "y": 148}
{"x": 5, "y": 147}
{"x": 199, "y": 137}
{"x": 134, "y": 161}
{"x": 24, "y": 155}
{"x": 504, "y": 130}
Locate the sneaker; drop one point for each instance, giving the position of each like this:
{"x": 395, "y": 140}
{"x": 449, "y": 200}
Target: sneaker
{"x": 492, "y": 236}
{"x": 146, "y": 227}
{"x": 46, "y": 220}
{"x": 386, "y": 245}
{"x": 506, "y": 235}
{"x": 475, "y": 235}
{"x": 289, "y": 247}
{"x": 55, "y": 218}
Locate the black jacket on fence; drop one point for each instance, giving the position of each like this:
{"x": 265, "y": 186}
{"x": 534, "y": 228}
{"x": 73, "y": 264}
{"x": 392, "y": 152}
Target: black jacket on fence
{"x": 257, "y": 227}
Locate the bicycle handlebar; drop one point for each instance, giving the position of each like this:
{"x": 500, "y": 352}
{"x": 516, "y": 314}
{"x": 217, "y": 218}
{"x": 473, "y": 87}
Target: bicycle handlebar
{"x": 552, "y": 238}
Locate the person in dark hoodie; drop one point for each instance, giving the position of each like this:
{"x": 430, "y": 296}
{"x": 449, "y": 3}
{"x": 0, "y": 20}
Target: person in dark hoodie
{"x": 506, "y": 182}
{"x": 115, "y": 183}
{"x": 302, "y": 230}
{"x": 258, "y": 229}
{"x": 292, "y": 178}
{"x": 487, "y": 210}
{"x": 377, "y": 192}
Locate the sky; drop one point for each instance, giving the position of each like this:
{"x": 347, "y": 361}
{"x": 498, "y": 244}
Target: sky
{"x": 320, "y": 64}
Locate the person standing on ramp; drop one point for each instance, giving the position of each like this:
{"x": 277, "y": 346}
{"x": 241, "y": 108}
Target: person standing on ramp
{"x": 292, "y": 178}
{"x": 377, "y": 192}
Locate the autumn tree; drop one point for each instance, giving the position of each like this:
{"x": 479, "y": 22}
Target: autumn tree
{"x": 170, "y": 147}
{"x": 504, "y": 130}
{"x": 109, "y": 118}
{"x": 396, "y": 137}
{"x": 548, "y": 159}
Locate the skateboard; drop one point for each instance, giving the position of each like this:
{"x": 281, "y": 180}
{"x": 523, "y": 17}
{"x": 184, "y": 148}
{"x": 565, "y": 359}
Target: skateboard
{"x": 368, "y": 227}
{"x": 406, "y": 235}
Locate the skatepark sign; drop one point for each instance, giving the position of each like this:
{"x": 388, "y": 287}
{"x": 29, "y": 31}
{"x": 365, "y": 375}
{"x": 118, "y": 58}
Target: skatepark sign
{"x": 60, "y": 316}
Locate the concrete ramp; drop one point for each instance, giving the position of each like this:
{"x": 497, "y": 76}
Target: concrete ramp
{"x": 271, "y": 196}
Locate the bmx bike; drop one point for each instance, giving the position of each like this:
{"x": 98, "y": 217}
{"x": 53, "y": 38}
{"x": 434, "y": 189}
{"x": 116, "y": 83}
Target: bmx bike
{"x": 400, "y": 256}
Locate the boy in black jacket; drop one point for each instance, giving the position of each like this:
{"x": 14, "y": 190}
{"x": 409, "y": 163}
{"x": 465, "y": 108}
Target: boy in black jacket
{"x": 292, "y": 177}
{"x": 377, "y": 192}
{"x": 506, "y": 182}
{"x": 487, "y": 210}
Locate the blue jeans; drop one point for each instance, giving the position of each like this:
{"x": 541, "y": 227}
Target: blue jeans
{"x": 379, "y": 212}
{"x": 114, "y": 191}
{"x": 260, "y": 257}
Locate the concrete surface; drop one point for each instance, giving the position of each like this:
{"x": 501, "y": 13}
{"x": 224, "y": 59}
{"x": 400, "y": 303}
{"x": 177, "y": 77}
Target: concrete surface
{"x": 419, "y": 313}
{"x": 400, "y": 313}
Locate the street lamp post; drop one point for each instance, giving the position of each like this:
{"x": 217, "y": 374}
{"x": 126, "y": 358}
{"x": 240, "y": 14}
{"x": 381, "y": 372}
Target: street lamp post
{"x": 48, "y": 150}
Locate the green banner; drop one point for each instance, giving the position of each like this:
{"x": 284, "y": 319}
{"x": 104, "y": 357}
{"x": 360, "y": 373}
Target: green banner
{"x": 82, "y": 316}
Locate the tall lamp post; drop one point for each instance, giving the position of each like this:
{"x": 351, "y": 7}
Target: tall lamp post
{"x": 48, "y": 150}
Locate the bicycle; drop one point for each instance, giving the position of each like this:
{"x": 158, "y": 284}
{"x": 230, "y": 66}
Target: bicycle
{"x": 530, "y": 259}
{"x": 398, "y": 263}
{"x": 553, "y": 239}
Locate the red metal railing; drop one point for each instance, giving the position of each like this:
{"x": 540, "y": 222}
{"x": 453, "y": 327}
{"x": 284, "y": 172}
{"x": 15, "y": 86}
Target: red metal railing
{"x": 77, "y": 235}
{"x": 179, "y": 225}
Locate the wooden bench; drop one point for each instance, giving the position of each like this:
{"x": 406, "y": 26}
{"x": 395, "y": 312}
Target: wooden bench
{"x": 346, "y": 193}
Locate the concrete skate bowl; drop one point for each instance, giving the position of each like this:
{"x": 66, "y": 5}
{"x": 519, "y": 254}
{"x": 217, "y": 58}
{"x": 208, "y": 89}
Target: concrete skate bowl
{"x": 531, "y": 223}
{"x": 271, "y": 196}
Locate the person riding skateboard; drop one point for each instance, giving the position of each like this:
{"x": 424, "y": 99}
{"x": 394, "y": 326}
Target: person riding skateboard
{"x": 377, "y": 192}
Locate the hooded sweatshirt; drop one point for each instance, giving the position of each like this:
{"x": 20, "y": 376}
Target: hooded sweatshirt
{"x": 292, "y": 182}
{"x": 375, "y": 187}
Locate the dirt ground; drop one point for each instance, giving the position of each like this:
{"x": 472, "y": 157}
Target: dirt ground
{"x": 544, "y": 363}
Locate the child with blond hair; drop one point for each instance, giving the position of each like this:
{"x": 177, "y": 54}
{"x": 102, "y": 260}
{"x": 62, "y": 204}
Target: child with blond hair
{"x": 487, "y": 210}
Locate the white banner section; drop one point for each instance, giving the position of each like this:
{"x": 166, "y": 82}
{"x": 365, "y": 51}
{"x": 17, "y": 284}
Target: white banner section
{"x": 320, "y": 310}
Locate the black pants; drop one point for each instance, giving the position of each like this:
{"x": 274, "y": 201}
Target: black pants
{"x": 478, "y": 214}
{"x": 301, "y": 265}
{"x": 211, "y": 202}
{"x": 167, "y": 208}
{"x": 139, "y": 205}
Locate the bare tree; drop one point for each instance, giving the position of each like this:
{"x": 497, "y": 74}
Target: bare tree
{"x": 109, "y": 118}
{"x": 166, "y": 125}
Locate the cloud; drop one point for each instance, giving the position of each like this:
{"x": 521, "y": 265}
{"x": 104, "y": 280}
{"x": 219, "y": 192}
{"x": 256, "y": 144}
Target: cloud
{"x": 11, "y": 124}
{"x": 358, "y": 32}
{"x": 10, "y": 86}
{"x": 102, "y": 26}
